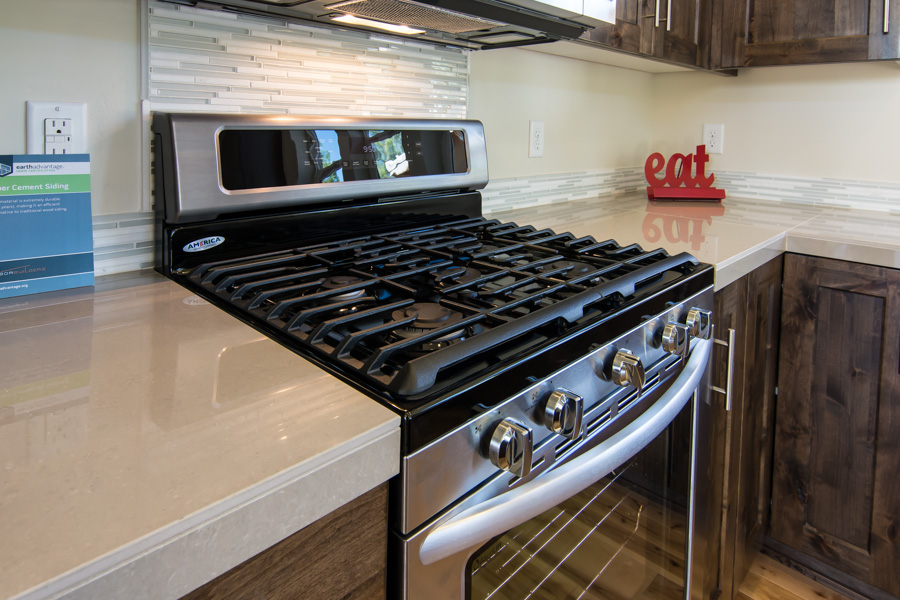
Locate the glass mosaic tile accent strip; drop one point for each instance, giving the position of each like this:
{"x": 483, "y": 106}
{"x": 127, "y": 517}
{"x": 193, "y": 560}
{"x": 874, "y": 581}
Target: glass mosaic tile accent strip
{"x": 521, "y": 192}
{"x": 125, "y": 242}
{"x": 211, "y": 61}
{"x": 206, "y": 60}
{"x": 820, "y": 192}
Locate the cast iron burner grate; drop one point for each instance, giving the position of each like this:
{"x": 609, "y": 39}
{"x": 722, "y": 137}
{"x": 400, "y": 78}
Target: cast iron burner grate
{"x": 413, "y": 312}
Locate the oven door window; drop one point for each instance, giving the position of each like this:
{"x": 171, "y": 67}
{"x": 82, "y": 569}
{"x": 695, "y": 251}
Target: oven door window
{"x": 623, "y": 537}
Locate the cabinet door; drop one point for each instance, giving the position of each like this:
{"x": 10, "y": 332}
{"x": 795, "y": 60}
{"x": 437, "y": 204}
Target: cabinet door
{"x": 750, "y": 500}
{"x": 752, "y": 307}
{"x": 664, "y": 29}
{"x": 774, "y": 32}
{"x": 836, "y": 481}
{"x": 729, "y": 311}
{"x": 633, "y": 30}
{"x": 342, "y": 556}
{"x": 677, "y": 39}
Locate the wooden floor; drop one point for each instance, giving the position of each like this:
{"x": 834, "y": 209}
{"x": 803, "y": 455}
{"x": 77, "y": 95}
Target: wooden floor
{"x": 768, "y": 579}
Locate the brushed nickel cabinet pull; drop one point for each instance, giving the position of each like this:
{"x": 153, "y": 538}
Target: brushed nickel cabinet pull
{"x": 730, "y": 376}
{"x": 887, "y": 15}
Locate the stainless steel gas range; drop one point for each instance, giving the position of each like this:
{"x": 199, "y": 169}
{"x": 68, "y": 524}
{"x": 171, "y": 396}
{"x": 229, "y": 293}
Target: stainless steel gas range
{"x": 553, "y": 389}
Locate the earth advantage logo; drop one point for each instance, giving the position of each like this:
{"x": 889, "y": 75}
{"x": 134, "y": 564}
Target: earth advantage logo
{"x": 5, "y": 170}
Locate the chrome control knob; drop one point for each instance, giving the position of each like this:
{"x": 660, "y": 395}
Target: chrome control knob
{"x": 675, "y": 339}
{"x": 511, "y": 447}
{"x": 699, "y": 323}
{"x": 627, "y": 369}
{"x": 564, "y": 413}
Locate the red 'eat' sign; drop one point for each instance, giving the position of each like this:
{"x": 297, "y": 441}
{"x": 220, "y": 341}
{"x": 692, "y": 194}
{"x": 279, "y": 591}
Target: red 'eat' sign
{"x": 685, "y": 177}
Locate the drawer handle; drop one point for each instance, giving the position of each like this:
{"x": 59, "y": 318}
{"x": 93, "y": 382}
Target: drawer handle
{"x": 730, "y": 377}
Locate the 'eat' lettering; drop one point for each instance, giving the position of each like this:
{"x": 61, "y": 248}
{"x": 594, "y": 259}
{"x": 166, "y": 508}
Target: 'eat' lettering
{"x": 680, "y": 170}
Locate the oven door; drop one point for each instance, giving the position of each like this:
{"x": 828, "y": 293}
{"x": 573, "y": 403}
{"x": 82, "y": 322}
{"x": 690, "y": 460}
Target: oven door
{"x": 618, "y": 517}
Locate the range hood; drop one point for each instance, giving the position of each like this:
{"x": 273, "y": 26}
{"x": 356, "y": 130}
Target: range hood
{"x": 476, "y": 24}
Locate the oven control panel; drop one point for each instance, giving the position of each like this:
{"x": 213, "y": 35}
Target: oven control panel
{"x": 512, "y": 442}
{"x": 525, "y": 435}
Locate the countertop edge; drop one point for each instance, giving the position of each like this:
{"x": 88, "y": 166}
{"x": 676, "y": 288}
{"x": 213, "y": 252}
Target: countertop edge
{"x": 737, "y": 267}
{"x": 224, "y": 535}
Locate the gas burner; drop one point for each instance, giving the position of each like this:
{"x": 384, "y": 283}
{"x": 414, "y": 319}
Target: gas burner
{"x": 341, "y": 281}
{"x": 574, "y": 269}
{"x": 429, "y": 316}
{"x": 456, "y": 275}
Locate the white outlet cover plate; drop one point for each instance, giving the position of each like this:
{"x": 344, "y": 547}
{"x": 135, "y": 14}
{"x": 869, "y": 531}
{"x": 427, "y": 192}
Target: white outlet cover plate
{"x": 714, "y": 138}
{"x": 36, "y": 112}
{"x": 535, "y": 139}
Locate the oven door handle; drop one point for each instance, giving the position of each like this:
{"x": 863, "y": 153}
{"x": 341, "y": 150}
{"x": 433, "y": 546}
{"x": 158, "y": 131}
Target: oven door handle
{"x": 491, "y": 518}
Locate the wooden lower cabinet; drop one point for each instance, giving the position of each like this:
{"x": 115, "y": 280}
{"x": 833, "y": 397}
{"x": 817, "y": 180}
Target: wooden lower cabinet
{"x": 743, "y": 436}
{"x": 836, "y": 481}
{"x": 341, "y": 556}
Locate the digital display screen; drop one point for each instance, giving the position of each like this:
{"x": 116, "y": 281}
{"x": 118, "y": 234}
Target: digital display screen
{"x": 266, "y": 158}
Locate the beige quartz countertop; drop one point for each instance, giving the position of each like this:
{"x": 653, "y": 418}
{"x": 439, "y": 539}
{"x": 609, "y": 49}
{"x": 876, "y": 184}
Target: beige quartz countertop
{"x": 149, "y": 442}
{"x": 736, "y": 236}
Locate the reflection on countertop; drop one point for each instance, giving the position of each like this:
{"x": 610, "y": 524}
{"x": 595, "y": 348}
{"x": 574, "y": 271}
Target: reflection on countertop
{"x": 736, "y": 236}
{"x": 149, "y": 441}
{"x": 132, "y": 416}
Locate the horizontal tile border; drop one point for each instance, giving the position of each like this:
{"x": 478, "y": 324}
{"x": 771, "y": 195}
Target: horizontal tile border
{"x": 125, "y": 242}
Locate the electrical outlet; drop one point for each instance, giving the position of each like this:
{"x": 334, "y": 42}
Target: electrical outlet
{"x": 55, "y": 128}
{"x": 57, "y": 136}
{"x": 535, "y": 139}
{"x": 714, "y": 138}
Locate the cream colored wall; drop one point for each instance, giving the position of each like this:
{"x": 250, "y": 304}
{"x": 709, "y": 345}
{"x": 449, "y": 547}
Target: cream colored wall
{"x": 842, "y": 119}
{"x": 835, "y": 121}
{"x": 78, "y": 51}
{"x": 595, "y": 116}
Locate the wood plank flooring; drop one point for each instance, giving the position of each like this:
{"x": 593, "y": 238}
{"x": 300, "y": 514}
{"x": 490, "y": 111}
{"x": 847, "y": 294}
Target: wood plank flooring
{"x": 768, "y": 579}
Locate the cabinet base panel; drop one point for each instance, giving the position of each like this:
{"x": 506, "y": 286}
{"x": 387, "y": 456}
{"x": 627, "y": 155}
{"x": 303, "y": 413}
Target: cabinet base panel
{"x": 818, "y": 571}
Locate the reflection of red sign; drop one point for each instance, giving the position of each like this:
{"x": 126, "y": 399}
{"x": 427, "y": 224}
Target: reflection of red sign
{"x": 682, "y": 180}
{"x": 680, "y": 224}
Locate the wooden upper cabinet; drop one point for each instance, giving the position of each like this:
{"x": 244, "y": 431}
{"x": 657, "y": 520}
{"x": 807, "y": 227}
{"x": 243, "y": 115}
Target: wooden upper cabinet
{"x": 642, "y": 27}
{"x": 790, "y": 32}
{"x": 679, "y": 33}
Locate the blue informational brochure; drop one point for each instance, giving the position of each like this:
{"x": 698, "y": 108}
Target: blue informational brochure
{"x": 46, "y": 238}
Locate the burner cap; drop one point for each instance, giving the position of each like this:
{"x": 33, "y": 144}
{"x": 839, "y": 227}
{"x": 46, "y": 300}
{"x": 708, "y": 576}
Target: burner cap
{"x": 340, "y": 281}
{"x": 456, "y": 274}
{"x": 429, "y": 316}
{"x": 573, "y": 268}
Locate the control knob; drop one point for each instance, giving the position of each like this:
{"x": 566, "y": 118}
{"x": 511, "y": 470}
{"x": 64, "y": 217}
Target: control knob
{"x": 564, "y": 413}
{"x": 511, "y": 447}
{"x": 675, "y": 339}
{"x": 699, "y": 323}
{"x": 627, "y": 369}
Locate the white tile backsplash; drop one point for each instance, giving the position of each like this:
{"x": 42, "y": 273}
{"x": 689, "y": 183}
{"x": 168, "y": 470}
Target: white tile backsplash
{"x": 210, "y": 61}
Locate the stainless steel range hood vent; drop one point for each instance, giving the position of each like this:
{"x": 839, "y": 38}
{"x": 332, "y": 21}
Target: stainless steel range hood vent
{"x": 476, "y": 24}
{"x": 414, "y": 15}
